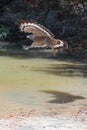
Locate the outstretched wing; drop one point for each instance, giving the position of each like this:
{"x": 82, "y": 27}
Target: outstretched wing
{"x": 36, "y": 29}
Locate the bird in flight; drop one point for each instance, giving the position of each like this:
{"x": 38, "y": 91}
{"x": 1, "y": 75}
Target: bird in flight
{"x": 41, "y": 37}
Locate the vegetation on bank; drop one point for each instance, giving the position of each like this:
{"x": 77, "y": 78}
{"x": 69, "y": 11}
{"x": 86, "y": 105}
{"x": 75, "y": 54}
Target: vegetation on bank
{"x": 4, "y": 32}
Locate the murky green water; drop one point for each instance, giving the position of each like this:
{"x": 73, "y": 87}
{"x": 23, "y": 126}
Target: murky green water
{"x": 37, "y": 81}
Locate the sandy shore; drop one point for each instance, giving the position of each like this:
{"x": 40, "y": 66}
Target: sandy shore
{"x": 42, "y": 123}
{"x": 56, "y": 119}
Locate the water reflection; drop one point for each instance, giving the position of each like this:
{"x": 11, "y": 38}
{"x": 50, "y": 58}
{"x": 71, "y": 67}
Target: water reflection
{"x": 17, "y": 52}
{"x": 62, "y": 97}
{"x": 65, "y": 69}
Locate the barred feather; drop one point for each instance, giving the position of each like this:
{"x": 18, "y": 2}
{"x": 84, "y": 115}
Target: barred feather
{"x": 25, "y": 24}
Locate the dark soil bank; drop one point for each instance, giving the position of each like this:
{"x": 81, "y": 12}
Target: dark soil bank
{"x": 67, "y": 19}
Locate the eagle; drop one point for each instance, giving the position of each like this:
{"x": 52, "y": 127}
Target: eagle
{"x": 41, "y": 37}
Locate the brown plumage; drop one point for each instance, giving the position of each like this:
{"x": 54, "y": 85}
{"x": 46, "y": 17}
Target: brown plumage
{"x": 42, "y": 37}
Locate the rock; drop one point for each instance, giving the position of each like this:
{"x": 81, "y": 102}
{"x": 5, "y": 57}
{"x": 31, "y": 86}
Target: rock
{"x": 9, "y": 17}
{"x": 79, "y": 9}
{"x": 35, "y": 15}
{"x": 85, "y": 6}
{"x": 4, "y": 3}
{"x": 58, "y": 29}
{"x": 70, "y": 28}
{"x": 41, "y": 17}
{"x": 18, "y": 6}
{"x": 51, "y": 18}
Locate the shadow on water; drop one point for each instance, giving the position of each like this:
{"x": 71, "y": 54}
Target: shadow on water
{"x": 62, "y": 97}
{"x": 64, "y": 69}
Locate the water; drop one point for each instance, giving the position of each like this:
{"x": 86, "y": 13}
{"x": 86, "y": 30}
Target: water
{"x": 39, "y": 82}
